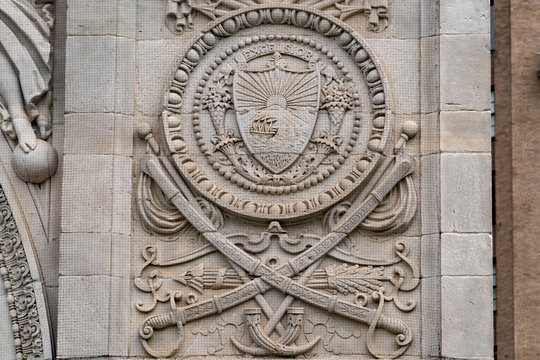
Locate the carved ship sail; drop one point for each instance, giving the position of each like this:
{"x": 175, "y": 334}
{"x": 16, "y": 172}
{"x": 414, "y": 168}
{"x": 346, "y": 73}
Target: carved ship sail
{"x": 263, "y": 125}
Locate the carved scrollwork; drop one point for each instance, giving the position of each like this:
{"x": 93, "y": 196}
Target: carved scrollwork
{"x": 181, "y": 13}
{"x": 244, "y": 263}
{"x": 17, "y": 280}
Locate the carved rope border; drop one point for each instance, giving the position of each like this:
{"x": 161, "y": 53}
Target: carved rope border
{"x": 17, "y": 280}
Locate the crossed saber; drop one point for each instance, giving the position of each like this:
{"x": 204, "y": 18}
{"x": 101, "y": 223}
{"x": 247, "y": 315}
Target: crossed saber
{"x": 177, "y": 192}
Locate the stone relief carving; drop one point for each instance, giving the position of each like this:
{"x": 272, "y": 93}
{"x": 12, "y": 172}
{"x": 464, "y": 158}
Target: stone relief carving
{"x": 25, "y": 93}
{"x": 276, "y": 154}
{"x": 17, "y": 281}
{"x": 181, "y": 13}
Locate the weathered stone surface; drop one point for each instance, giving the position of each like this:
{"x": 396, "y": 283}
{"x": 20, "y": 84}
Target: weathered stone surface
{"x": 84, "y": 302}
{"x": 466, "y": 254}
{"x": 87, "y": 211}
{"x": 81, "y": 254}
{"x": 464, "y": 17}
{"x": 465, "y": 72}
{"x": 465, "y": 180}
{"x": 89, "y": 89}
{"x": 466, "y": 313}
{"x": 82, "y": 19}
{"x": 465, "y": 131}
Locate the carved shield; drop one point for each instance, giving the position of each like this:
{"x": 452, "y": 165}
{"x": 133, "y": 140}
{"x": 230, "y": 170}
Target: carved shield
{"x": 276, "y": 112}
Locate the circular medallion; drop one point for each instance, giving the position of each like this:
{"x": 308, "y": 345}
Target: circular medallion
{"x": 277, "y": 113}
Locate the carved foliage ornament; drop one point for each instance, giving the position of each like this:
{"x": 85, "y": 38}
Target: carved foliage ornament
{"x": 17, "y": 281}
{"x": 276, "y": 129}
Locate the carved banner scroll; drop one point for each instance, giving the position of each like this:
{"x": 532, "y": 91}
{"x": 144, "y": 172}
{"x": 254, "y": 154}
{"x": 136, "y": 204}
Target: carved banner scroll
{"x": 278, "y": 159}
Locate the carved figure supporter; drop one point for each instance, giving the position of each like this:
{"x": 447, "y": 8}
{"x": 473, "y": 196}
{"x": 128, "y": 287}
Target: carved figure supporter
{"x": 25, "y": 71}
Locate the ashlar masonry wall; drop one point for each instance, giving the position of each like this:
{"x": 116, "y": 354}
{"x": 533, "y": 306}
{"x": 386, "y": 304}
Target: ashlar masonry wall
{"x": 124, "y": 73}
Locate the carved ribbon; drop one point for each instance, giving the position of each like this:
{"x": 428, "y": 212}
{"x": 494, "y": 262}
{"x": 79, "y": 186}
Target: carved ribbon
{"x": 281, "y": 278}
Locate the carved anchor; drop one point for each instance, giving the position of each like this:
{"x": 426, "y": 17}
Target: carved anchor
{"x": 280, "y": 278}
{"x": 268, "y": 346}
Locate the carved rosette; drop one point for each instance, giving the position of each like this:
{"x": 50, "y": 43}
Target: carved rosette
{"x": 17, "y": 281}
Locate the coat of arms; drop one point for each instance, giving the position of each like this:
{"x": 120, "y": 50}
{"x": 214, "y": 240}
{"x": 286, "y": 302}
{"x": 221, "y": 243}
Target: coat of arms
{"x": 278, "y": 164}
{"x": 276, "y": 110}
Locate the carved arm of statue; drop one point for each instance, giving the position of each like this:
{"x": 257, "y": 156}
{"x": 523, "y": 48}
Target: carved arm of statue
{"x": 25, "y": 96}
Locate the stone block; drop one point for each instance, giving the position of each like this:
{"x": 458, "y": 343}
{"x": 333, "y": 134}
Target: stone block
{"x": 429, "y": 19}
{"x": 430, "y": 313}
{"x": 127, "y": 18}
{"x": 464, "y": 17}
{"x": 154, "y": 64}
{"x": 465, "y": 131}
{"x": 150, "y": 9}
{"x": 403, "y": 84}
{"x": 89, "y": 134}
{"x": 119, "y": 317}
{"x": 465, "y": 72}
{"x": 124, "y": 99}
{"x": 83, "y": 319}
{"x": 466, "y": 254}
{"x": 430, "y": 263}
{"x": 429, "y": 75}
{"x": 6, "y": 334}
{"x": 85, "y": 254}
{"x": 123, "y": 135}
{"x": 466, "y": 313}
{"x": 47, "y": 253}
{"x": 121, "y": 221}
{"x": 84, "y": 210}
{"x": 97, "y": 17}
{"x": 466, "y": 193}
{"x": 406, "y": 21}
{"x": 120, "y": 256}
{"x": 90, "y": 73}
{"x": 429, "y": 199}
{"x": 429, "y": 134}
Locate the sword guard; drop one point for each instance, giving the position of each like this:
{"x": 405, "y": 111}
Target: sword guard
{"x": 161, "y": 321}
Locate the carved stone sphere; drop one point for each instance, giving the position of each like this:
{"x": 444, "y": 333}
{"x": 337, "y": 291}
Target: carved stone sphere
{"x": 36, "y": 166}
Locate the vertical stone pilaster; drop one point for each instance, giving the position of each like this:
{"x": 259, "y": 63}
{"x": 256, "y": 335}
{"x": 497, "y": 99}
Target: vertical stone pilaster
{"x": 465, "y": 180}
{"x": 96, "y": 202}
